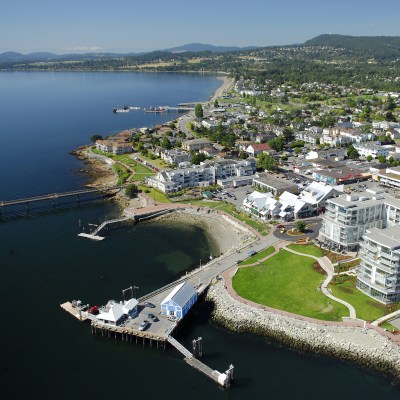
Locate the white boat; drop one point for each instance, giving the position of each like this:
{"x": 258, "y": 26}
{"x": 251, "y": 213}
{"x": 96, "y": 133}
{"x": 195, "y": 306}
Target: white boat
{"x": 121, "y": 110}
{"x": 134, "y": 108}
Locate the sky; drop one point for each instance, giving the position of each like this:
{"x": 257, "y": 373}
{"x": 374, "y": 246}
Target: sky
{"x": 78, "y": 26}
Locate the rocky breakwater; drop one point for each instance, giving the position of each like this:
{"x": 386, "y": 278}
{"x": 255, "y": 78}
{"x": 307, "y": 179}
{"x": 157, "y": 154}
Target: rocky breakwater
{"x": 362, "y": 345}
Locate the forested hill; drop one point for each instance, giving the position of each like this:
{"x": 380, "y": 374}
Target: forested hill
{"x": 378, "y": 47}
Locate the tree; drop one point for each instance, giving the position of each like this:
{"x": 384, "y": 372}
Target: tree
{"x": 277, "y": 144}
{"x": 165, "y": 143}
{"x": 198, "y": 111}
{"x": 352, "y": 153}
{"x": 131, "y": 190}
{"x": 369, "y": 158}
{"x": 216, "y": 105}
{"x": 301, "y": 226}
{"x": 381, "y": 159}
{"x": 95, "y": 138}
{"x": 297, "y": 150}
{"x": 288, "y": 135}
{"x": 197, "y": 158}
{"x": 266, "y": 162}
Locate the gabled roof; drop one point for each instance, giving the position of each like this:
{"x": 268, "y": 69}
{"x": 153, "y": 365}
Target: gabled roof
{"x": 181, "y": 294}
{"x": 114, "y": 313}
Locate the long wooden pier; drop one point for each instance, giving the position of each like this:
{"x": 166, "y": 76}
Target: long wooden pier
{"x": 55, "y": 196}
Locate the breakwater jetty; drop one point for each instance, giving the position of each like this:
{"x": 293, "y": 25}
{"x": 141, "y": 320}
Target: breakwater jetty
{"x": 353, "y": 340}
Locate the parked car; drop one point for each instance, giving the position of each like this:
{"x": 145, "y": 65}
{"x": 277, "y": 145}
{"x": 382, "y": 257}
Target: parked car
{"x": 283, "y": 230}
{"x": 280, "y": 226}
{"x": 148, "y": 304}
{"x": 152, "y": 317}
{"x": 144, "y": 325}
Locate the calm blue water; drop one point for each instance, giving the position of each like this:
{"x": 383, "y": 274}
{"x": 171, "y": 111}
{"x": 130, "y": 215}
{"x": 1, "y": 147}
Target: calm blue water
{"x": 45, "y": 353}
{"x": 43, "y": 115}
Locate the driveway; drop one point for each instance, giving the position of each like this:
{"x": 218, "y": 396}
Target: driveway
{"x": 313, "y": 227}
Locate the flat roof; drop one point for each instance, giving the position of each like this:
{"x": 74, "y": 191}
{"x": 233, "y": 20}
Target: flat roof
{"x": 388, "y": 237}
{"x": 274, "y": 181}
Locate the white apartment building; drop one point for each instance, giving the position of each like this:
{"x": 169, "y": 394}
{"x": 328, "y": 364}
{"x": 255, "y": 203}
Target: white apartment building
{"x": 347, "y": 217}
{"x": 205, "y": 174}
{"x": 379, "y": 274}
{"x": 373, "y": 149}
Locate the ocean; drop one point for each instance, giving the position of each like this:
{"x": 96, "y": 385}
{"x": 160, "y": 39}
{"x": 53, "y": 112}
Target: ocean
{"x": 47, "y": 354}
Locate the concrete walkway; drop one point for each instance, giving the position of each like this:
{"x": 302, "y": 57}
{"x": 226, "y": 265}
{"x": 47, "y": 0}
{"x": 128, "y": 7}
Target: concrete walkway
{"x": 326, "y": 264}
{"x": 386, "y": 318}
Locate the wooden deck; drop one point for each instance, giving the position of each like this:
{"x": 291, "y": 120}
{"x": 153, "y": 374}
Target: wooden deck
{"x": 73, "y": 311}
{"x": 204, "y": 369}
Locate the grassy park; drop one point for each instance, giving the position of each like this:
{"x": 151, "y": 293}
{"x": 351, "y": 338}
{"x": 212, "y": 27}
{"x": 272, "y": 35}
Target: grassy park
{"x": 288, "y": 282}
{"x": 368, "y": 309}
{"x": 259, "y": 256}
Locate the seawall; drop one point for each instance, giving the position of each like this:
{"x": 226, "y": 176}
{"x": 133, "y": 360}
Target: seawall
{"x": 361, "y": 345}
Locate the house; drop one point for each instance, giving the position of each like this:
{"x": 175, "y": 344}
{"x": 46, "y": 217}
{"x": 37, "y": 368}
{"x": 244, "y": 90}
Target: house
{"x": 257, "y": 148}
{"x": 179, "y": 301}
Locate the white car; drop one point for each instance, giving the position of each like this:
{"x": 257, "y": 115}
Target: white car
{"x": 144, "y": 325}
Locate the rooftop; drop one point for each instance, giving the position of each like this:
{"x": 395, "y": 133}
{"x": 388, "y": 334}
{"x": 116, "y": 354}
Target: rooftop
{"x": 389, "y": 237}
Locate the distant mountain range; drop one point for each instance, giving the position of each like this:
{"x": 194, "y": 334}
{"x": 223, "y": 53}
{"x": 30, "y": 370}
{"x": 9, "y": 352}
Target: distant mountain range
{"x": 197, "y": 47}
{"x": 373, "y": 46}
{"x": 13, "y": 57}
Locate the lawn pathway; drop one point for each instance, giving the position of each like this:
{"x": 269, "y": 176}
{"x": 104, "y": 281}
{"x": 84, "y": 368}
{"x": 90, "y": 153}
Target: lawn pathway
{"x": 325, "y": 263}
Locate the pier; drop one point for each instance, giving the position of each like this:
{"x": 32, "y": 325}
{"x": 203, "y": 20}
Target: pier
{"x": 54, "y": 196}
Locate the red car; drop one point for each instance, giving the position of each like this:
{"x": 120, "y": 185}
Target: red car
{"x": 280, "y": 226}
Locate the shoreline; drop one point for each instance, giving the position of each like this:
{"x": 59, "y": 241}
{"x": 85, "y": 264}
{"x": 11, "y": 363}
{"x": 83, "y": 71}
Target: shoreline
{"x": 363, "y": 346}
{"x": 225, "y": 233}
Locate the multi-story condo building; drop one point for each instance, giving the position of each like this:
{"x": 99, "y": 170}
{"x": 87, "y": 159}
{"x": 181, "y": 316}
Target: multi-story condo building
{"x": 200, "y": 175}
{"x": 348, "y": 216}
{"x": 379, "y": 274}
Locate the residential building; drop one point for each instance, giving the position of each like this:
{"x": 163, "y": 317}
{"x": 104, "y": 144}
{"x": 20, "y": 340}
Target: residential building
{"x": 114, "y": 146}
{"x": 195, "y": 144}
{"x": 347, "y": 217}
{"x": 174, "y": 156}
{"x": 205, "y": 174}
{"x": 373, "y": 149}
{"x": 270, "y": 183}
{"x": 257, "y": 148}
{"x": 379, "y": 272}
{"x": 390, "y": 177}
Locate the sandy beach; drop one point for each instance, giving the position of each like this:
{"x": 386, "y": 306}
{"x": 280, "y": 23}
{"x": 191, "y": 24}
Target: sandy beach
{"x": 225, "y": 233}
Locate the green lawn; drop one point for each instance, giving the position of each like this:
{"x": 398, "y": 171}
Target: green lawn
{"x": 258, "y": 226}
{"x": 367, "y": 308}
{"x": 155, "y": 194}
{"x": 259, "y": 256}
{"x": 389, "y": 327}
{"x": 307, "y": 249}
{"x": 288, "y": 282}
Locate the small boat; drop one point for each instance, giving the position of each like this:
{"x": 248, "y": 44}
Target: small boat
{"x": 134, "y": 108}
{"x": 123, "y": 109}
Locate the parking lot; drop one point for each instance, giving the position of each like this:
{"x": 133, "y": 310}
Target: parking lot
{"x": 234, "y": 195}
